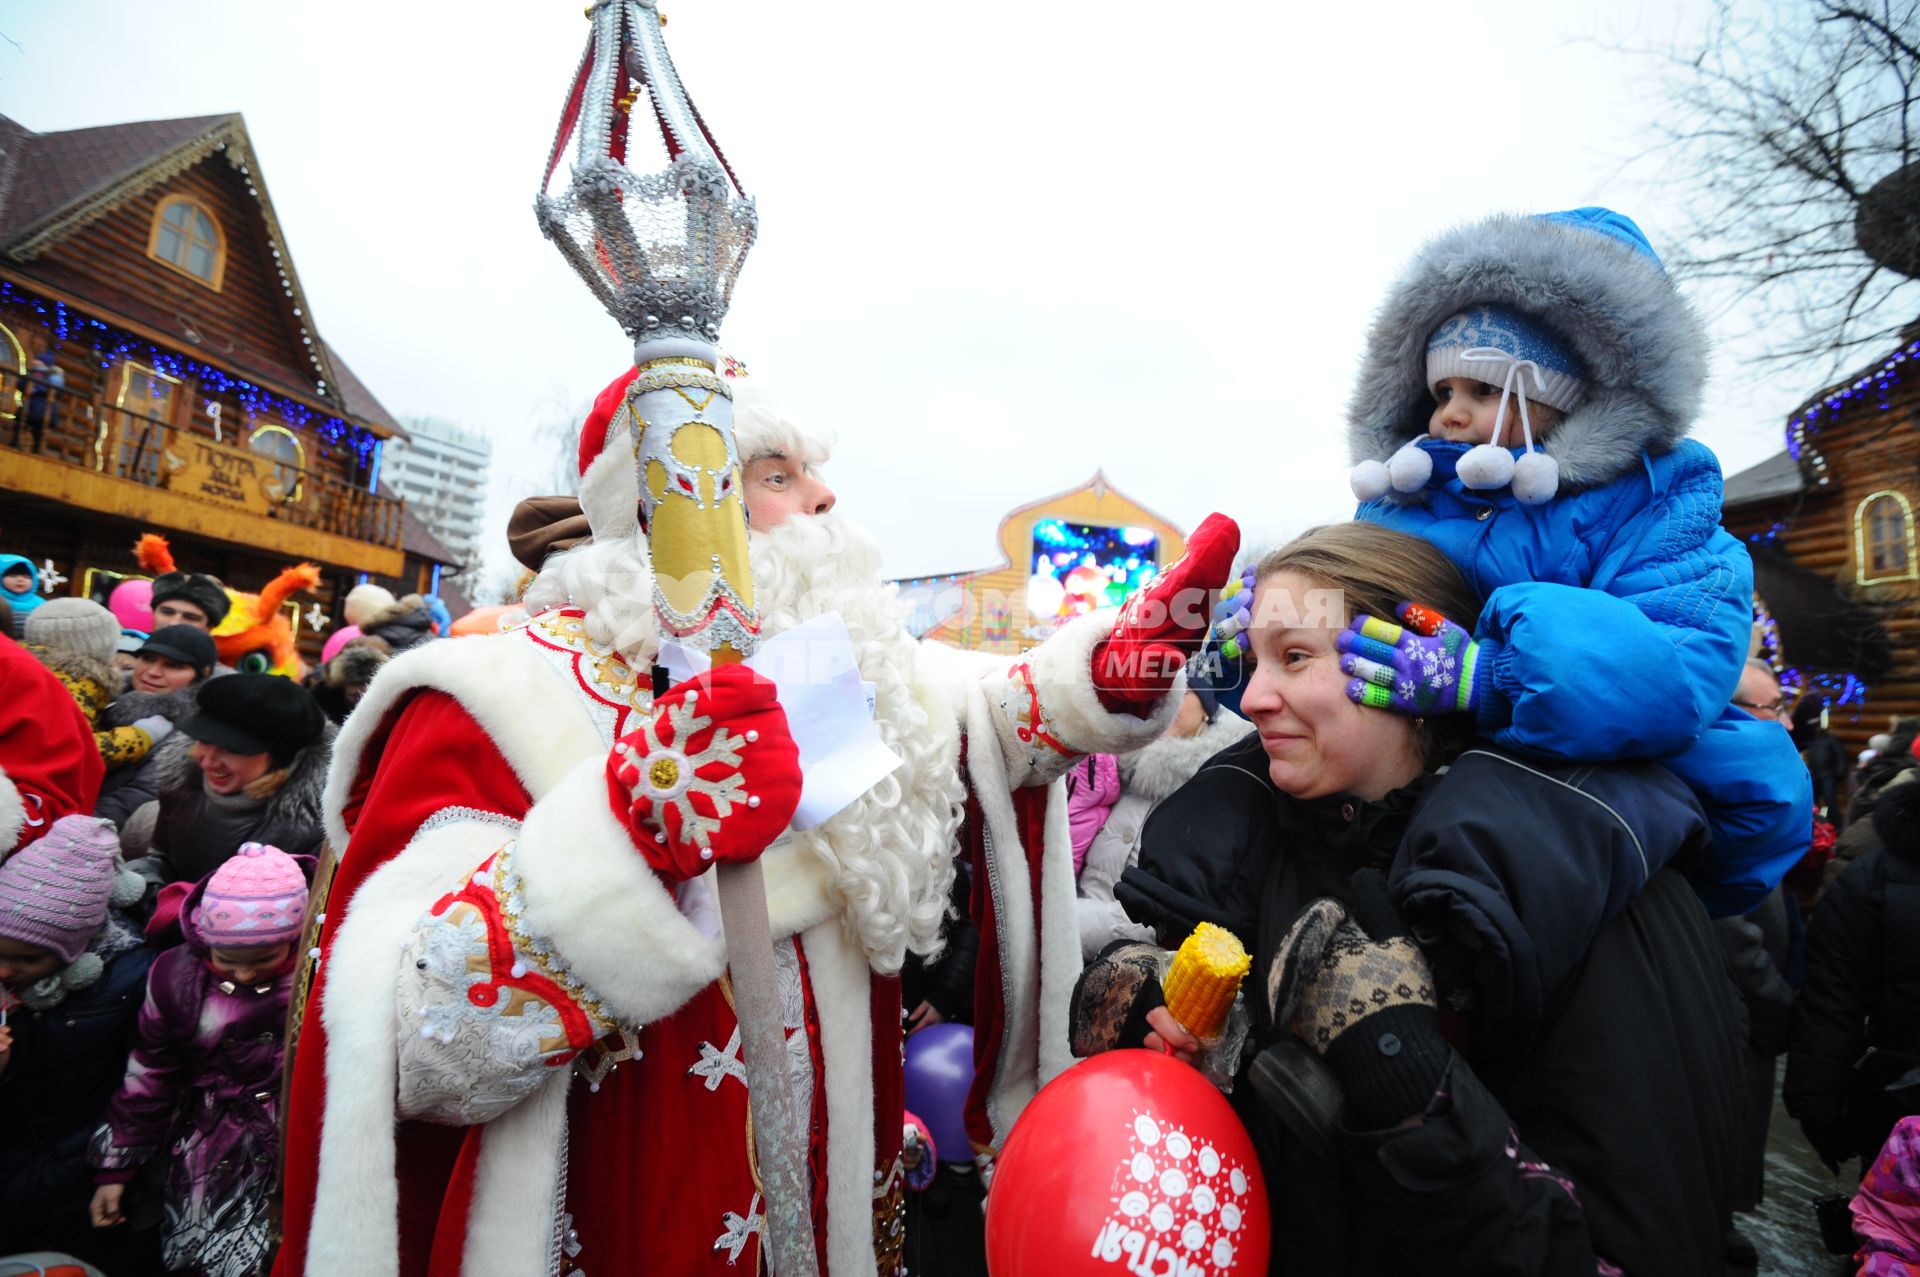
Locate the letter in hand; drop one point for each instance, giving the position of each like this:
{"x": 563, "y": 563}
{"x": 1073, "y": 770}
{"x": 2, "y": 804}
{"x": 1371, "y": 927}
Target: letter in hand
{"x": 713, "y": 778}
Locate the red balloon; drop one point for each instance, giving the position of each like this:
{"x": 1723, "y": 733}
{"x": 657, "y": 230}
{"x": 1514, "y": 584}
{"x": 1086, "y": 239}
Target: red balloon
{"x": 1129, "y": 1164}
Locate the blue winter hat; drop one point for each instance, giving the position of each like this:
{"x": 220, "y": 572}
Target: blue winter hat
{"x": 1485, "y": 342}
{"x": 1604, "y": 221}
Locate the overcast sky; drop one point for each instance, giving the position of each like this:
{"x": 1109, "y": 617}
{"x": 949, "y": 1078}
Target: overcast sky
{"x": 1002, "y": 246}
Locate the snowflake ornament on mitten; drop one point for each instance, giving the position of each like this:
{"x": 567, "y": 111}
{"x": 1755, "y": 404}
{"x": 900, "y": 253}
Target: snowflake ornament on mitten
{"x": 714, "y": 777}
{"x": 1424, "y": 667}
{"x": 1163, "y": 622}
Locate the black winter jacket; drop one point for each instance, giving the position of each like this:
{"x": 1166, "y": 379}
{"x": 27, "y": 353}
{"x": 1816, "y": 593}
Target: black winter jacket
{"x": 1592, "y": 1111}
{"x": 68, "y": 1061}
{"x": 1862, "y": 991}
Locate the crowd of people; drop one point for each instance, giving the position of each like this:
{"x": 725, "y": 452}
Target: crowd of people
{"x": 1525, "y": 956}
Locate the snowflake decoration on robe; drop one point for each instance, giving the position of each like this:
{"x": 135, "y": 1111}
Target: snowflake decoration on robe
{"x": 671, "y": 778}
{"x": 739, "y": 1229}
{"x": 316, "y": 619}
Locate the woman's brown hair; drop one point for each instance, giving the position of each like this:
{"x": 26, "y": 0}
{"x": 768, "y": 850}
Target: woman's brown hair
{"x": 1376, "y": 569}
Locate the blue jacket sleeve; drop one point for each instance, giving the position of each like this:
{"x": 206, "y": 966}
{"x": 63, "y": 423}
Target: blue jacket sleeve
{"x": 1637, "y": 664}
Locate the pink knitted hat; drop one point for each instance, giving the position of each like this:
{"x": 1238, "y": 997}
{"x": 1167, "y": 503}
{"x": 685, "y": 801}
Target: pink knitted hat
{"x": 54, "y": 892}
{"x": 257, "y": 898}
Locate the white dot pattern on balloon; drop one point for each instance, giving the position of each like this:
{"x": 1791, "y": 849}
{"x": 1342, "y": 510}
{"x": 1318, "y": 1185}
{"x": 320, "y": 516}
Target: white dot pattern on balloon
{"x": 1184, "y": 1207}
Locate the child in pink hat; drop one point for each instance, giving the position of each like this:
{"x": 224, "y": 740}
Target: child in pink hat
{"x": 205, "y": 1074}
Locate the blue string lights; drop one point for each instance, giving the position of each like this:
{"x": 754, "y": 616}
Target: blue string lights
{"x": 1872, "y": 386}
{"x": 111, "y": 346}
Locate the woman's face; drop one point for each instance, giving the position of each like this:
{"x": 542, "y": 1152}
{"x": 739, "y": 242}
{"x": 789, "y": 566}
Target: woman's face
{"x": 161, "y": 674}
{"x": 225, "y": 772}
{"x": 1317, "y": 741}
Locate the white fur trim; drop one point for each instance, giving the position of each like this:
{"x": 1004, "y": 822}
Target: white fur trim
{"x": 1059, "y": 938}
{"x": 1015, "y": 1072}
{"x": 610, "y": 489}
{"x": 356, "y": 1197}
{"x": 590, "y": 892}
{"x": 516, "y": 1186}
{"x": 843, "y": 997}
{"x": 13, "y": 814}
{"x": 1063, "y": 672}
{"x": 502, "y": 682}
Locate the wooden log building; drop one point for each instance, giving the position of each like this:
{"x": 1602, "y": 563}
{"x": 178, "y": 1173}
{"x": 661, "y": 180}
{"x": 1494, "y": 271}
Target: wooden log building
{"x": 199, "y": 399}
{"x": 1830, "y": 522}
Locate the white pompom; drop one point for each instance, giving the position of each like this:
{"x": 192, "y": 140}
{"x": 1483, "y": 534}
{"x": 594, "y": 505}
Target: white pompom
{"x": 1536, "y": 477}
{"x": 83, "y": 971}
{"x": 1410, "y": 468}
{"x": 1486, "y": 467}
{"x": 1370, "y": 480}
{"x": 127, "y": 888}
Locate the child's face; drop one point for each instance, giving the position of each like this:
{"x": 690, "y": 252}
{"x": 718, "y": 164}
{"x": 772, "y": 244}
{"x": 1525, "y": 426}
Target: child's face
{"x": 249, "y": 966}
{"x": 20, "y": 581}
{"x": 1466, "y": 411}
{"x": 21, "y": 963}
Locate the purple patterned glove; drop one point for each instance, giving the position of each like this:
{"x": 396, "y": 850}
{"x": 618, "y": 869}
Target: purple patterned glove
{"x": 1425, "y": 667}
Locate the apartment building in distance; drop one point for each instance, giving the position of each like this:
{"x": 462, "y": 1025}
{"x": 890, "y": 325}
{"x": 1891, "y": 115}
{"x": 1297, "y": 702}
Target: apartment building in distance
{"x": 441, "y": 472}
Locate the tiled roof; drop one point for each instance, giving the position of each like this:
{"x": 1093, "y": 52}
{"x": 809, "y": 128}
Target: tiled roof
{"x": 417, "y": 538}
{"x": 1777, "y": 476}
{"x": 357, "y": 398}
{"x": 49, "y": 172}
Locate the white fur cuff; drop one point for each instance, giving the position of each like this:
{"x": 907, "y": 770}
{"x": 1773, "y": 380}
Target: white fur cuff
{"x": 589, "y": 892}
{"x": 13, "y": 814}
{"x": 1049, "y": 714}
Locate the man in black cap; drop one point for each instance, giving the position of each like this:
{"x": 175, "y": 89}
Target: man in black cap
{"x": 189, "y": 598}
{"x": 254, "y": 771}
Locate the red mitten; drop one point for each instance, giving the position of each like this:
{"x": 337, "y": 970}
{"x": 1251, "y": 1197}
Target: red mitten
{"x": 715, "y": 776}
{"x": 1134, "y": 666}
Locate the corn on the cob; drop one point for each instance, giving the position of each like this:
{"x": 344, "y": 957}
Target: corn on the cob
{"x": 1205, "y": 975}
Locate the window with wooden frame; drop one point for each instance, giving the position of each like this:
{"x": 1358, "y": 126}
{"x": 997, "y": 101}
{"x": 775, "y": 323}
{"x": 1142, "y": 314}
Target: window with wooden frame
{"x": 1883, "y": 545}
{"x": 149, "y": 401}
{"x": 186, "y": 236}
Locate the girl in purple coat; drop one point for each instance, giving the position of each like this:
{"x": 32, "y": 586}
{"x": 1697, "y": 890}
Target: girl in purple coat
{"x": 203, "y": 1086}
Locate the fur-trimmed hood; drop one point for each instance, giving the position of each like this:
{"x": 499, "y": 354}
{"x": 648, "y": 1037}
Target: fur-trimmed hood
{"x": 1162, "y": 766}
{"x": 130, "y": 706}
{"x": 294, "y": 802}
{"x": 1643, "y": 348}
{"x": 357, "y": 663}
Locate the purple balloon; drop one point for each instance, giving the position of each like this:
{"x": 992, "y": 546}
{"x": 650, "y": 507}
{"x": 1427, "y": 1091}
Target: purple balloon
{"x": 939, "y": 1073}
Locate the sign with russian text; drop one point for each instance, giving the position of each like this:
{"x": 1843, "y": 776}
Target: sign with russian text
{"x": 209, "y": 471}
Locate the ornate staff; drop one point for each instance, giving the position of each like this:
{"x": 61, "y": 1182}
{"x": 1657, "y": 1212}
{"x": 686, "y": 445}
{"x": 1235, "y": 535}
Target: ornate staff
{"x": 661, "y": 250}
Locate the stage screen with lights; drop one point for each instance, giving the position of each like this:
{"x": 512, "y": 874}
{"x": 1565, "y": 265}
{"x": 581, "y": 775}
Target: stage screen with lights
{"x": 1083, "y": 567}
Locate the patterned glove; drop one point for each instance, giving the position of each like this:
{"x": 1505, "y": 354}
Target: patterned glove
{"x": 1426, "y": 667}
{"x": 714, "y": 776}
{"x": 1134, "y": 665}
{"x": 1233, "y": 616}
{"x": 1351, "y": 984}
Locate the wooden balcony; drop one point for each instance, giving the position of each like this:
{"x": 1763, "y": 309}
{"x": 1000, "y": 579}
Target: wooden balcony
{"x": 99, "y": 457}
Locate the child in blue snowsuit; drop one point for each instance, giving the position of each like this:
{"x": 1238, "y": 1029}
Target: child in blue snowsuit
{"x": 1618, "y": 611}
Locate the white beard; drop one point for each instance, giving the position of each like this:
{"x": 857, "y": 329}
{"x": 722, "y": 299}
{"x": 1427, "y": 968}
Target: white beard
{"x": 890, "y": 853}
